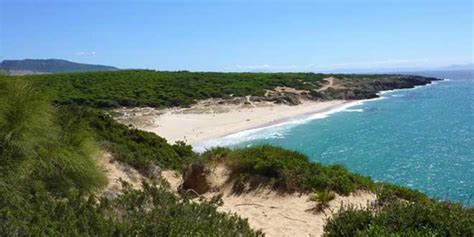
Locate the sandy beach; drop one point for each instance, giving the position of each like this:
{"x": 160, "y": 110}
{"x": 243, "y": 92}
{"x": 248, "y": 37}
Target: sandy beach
{"x": 206, "y": 120}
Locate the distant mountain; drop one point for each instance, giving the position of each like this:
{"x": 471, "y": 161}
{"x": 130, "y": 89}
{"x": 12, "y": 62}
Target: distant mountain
{"x": 469, "y": 66}
{"x": 38, "y": 66}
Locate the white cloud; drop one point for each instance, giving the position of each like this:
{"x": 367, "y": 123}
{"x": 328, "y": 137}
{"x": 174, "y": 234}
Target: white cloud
{"x": 81, "y": 53}
{"x": 254, "y": 67}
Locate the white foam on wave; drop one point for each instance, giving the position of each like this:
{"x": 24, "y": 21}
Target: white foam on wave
{"x": 354, "y": 110}
{"x": 275, "y": 130}
{"x": 279, "y": 130}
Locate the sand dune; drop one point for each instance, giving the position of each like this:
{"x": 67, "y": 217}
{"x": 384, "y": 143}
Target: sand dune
{"x": 274, "y": 213}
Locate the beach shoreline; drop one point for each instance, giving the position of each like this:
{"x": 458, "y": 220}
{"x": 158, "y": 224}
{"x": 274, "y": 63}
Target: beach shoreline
{"x": 199, "y": 123}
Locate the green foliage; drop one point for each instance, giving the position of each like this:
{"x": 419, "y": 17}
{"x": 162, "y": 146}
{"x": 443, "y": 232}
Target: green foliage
{"x": 33, "y": 146}
{"x": 292, "y": 171}
{"x": 132, "y": 88}
{"x": 164, "y": 89}
{"x": 46, "y": 166}
{"x": 404, "y": 219}
{"x": 348, "y": 222}
{"x": 152, "y": 211}
{"x": 47, "y": 172}
{"x": 387, "y": 193}
{"x": 135, "y": 147}
{"x": 323, "y": 197}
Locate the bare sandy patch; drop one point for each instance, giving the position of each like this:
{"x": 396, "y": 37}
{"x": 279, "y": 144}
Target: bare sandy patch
{"x": 116, "y": 171}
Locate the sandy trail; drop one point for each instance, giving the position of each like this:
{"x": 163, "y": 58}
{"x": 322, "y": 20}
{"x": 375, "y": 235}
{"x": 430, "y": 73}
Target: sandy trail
{"x": 330, "y": 84}
{"x": 277, "y": 214}
{"x": 287, "y": 215}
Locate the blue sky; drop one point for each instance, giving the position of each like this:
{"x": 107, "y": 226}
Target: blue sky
{"x": 242, "y": 35}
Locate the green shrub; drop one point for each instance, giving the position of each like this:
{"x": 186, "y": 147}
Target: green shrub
{"x": 48, "y": 174}
{"x": 323, "y": 198}
{"x": 135, "y": 147}
{"x": 152, "y": 211}
{"x": 292, "y": 171}
{"x": 348, "y": 222}
{"x": 35, "y": 146}
{"x": 404, "y": 219}
{"x": 387, "y": 193}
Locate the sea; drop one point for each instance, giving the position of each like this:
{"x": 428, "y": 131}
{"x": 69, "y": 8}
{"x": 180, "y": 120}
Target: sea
{"x": 421, "y": 138}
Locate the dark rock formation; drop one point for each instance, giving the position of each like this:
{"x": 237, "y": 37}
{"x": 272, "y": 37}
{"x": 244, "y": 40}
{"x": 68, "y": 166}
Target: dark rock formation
{"x": 195, "y": 178}
{"x": 351, "y": 89}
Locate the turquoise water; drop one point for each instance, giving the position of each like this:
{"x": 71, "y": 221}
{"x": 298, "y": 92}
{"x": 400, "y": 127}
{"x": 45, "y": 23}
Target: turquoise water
{"x": 422, "y": 138}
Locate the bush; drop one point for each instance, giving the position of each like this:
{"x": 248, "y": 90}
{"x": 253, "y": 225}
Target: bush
{"x": 152, "y": 211}
{"x": 404, "y": 219}
{"x": 135, "y": 147}
{"x": 323, "y": 198}
{"x": 48, "y": 174}
{"x": 35, "y": 146}
{"x": 388, "y": 193}
{"x": 292, "y": 171}
{"x": 348, "y": 222}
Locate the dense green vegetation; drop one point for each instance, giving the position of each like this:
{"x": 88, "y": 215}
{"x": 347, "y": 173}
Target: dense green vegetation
{"x": 48, "y": 178}
{"x": 153, "y": 211}
{"x": 36, "y": 145}
{"x": 291, "y": 171}
{"x": 401, "y": 218}
{"x": 166, "y": 89}
{"x": 135, "y": 147}
{"x": 288, "y": 171}
{"x": 163, "y": 89}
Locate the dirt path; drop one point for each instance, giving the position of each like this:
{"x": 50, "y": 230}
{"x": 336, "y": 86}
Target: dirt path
{"x": 330, "y": 84}
{"x": 276, "y": 214}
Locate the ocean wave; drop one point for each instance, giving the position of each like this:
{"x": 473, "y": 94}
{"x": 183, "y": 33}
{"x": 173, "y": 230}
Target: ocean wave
{"x": 275, "y": 130}
{"x": 354, "y": 110}
{"x": 279, "y": 130}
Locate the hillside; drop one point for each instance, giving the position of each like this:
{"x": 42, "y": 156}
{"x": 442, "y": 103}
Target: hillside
{"x": 51, "y": 182}
{"x": 141, "y": 88}
{"x": 39, "y": 66}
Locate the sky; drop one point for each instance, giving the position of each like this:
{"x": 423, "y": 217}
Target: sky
{"x": 246, "y": 35}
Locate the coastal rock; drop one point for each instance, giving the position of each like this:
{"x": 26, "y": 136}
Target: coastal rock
{"x": 257, "y": 98}
{"x": 152, "y": 171}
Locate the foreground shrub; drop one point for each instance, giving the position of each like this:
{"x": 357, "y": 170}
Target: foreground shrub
{"x": 152, "y": 211}
{"x": 404, "y": 219}
{"x": 292, "y": 171}
{"x": 35, "y": 145}
{"x": 323, "y": 198}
